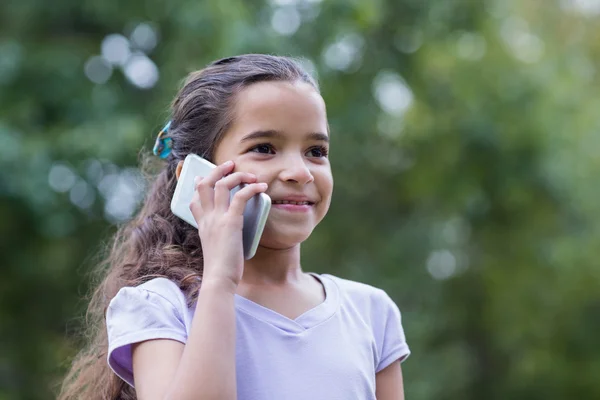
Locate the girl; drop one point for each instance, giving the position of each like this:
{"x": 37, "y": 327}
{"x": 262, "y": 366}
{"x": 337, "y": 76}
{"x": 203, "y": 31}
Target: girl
{"x": 181, "y": 314}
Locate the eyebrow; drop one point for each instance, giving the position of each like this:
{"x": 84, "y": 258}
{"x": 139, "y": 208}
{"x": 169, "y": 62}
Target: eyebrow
{"x": 273, "y": 134}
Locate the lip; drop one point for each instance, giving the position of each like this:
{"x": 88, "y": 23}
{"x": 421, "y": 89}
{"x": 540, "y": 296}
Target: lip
{"x": 295, "y": 198}
{"x": 293, "y": 207}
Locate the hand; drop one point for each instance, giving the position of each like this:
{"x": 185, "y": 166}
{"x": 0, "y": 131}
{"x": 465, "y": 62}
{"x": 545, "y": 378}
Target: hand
{"x": 220, "y": 221}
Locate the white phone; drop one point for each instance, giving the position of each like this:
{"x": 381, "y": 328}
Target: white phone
{"x": 255, "y": 214}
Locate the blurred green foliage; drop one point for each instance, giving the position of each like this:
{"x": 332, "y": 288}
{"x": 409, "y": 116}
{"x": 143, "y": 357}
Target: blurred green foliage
{"x": 465, "y": 147}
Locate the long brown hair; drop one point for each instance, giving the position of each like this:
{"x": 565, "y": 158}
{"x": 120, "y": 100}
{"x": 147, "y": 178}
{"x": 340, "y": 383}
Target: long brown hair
{"x": 156, "y": 243}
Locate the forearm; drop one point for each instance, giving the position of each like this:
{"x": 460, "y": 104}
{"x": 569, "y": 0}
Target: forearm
{"x": 207, "y": 367}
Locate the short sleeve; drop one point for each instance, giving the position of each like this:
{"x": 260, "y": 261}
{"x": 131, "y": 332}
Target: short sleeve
{"x": 135, "y": 315}
{"x": 393, "y": 344}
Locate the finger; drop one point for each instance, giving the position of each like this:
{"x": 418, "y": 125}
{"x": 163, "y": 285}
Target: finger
{"x": 218, "y": 173}
{"x": 205, "y": 192}
{"x": 224, "y": 186}
{"x": 196, "y": 207}
{"x": 238, "y": 203}
{"x": 207, "y": 184}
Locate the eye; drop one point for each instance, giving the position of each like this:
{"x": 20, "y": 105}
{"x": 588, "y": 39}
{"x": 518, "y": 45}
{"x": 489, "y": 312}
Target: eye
{"x": 318, "y": 151}
{"x": 263, "y": 148}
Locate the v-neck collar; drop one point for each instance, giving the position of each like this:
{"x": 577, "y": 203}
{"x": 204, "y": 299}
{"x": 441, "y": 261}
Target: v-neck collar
{"x": 302, "y": 323}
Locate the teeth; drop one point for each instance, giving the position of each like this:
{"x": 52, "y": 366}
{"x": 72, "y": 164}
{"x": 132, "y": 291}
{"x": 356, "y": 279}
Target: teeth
{"x": 297, "y": 203}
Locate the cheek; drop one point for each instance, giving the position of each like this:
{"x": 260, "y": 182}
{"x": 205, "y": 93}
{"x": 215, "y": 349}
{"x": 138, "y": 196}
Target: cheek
{"x": 324, "y": 184}
{"x": 324, "y": 181}
{"x": 222, "y": 152}
{"x": 242, "y": 164}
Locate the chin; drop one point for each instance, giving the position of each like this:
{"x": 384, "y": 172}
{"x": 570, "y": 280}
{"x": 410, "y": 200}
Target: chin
{"x": 284, "y": 237}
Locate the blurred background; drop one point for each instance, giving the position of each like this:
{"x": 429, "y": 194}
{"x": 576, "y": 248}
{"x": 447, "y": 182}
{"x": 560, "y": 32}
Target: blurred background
{"x": 465, "y": 152}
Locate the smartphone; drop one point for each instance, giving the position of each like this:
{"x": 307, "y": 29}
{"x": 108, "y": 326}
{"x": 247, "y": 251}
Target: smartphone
{"x": 255, "y": 214}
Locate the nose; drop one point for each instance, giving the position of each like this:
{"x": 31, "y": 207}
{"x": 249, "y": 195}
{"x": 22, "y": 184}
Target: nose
{"x": 295, "y": 170}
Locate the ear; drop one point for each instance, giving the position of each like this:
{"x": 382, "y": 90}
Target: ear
{"x": 178, "y": 170}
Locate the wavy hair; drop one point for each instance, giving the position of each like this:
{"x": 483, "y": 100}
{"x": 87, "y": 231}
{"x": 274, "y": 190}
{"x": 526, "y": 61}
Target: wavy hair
{"x": 156, "y": 243}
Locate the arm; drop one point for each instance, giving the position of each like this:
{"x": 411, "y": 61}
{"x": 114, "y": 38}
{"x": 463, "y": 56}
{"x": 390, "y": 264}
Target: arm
{"x": 205, "y": 368}
{"x": 394, "y": 350}
{"x": 202, "y": 369}
{"x": 388, "y": 383}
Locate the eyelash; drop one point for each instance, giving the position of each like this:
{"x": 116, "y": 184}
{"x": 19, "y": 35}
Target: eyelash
{"x": 324, "y": 150}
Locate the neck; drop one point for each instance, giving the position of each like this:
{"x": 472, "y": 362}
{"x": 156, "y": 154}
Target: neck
{"x": 273, "y": 266}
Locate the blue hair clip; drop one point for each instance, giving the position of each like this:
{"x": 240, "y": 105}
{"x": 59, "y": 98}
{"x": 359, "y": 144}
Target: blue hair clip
{"x": 163, "y": 145}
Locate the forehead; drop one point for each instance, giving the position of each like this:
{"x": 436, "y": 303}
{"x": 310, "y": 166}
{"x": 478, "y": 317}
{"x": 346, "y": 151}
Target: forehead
{"x": 289, "y": 107}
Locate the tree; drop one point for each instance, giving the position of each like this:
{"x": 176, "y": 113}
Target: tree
{"x": 463, "y": 150}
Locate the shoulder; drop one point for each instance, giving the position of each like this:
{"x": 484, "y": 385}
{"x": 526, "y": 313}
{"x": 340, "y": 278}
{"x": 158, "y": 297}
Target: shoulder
{"x": 365, "y": 301}
{"x": 158, "y": 288}
{"x": 358, "y": 291}
{"x": 153, "y": 310}
{"x": 377, "y": 309}
{"x": 154, "y": 301}
{"x": 165, "y": 288}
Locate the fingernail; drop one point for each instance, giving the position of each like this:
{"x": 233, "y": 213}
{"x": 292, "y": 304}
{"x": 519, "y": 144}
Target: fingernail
{"x": 197, "y": 179}
{"x": 263, "y": 185}
{"x": 228, "y": 163}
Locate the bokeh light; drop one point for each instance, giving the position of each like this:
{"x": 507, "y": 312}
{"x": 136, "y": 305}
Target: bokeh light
{"x": 61, "y": 177}
{"x": 344, "y": 53}
{"x": 116, "y": 49}
{"x": 464, "y": 151}
{"x": 98, "y": 70}
{"x": 141, "y": 71}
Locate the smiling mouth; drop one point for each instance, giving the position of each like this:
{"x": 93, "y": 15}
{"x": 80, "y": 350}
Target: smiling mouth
{"x": 296, "y": 203}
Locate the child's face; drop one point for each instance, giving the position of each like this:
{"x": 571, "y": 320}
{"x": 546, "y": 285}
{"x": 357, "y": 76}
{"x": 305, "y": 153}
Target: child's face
{"x": 280, "y": 134}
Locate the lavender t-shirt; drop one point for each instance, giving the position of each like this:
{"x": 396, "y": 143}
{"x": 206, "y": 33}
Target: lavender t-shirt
{"x": 332, "y": 351}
